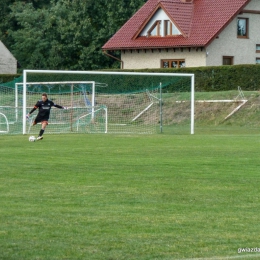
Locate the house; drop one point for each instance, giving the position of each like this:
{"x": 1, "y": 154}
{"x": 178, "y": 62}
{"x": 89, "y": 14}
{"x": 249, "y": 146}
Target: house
{"x": 8, "y": 63}
{"x": 189, "y": 33}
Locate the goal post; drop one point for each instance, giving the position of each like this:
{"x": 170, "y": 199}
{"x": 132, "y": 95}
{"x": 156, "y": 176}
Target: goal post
{"x": 132, "y": 105}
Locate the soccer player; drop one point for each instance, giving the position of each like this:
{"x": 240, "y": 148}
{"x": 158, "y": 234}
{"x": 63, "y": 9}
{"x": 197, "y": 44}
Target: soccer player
{"x": 44, "y": 105}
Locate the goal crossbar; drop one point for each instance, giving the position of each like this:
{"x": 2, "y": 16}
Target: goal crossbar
{"x": 57, "y": 82}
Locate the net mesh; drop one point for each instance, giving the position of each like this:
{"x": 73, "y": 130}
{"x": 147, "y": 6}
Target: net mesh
{"x": 121, "y": 103}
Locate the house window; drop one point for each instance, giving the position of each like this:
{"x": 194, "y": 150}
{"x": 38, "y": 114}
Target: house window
{"x": 155, "y": 29}
{"x": 228, "y": 60}
{"x": 257, "y": 49}
{"x": 170, "y": 28}
{"x": 257, "y": 60}
{"x": 167, "y": 28}
{"x": 172, "y": 63}
{"x": 242, "y": 27}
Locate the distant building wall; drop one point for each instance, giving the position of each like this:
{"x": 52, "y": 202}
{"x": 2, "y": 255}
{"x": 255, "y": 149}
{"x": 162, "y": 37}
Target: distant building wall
{"x": 8, "y": 63}
{"x": 152, "y": 59}
{"x": 228, "y": 44}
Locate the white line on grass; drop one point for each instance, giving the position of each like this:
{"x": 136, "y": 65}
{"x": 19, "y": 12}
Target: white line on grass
{"x": 224, "y": 257}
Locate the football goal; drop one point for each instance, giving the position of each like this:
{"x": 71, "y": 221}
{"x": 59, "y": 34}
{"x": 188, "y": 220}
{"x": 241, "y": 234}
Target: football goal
{"x": 99, "y": 102}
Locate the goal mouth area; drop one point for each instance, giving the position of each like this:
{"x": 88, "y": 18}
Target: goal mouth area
{"x": 74, "y": 120}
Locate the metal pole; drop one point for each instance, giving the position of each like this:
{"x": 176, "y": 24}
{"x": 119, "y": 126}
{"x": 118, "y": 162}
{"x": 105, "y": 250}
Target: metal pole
{"x": 161, "y": 108}
{"x": 192, "y": 103}
{"x": 105, "y": 120}
{"x": 93, "y": 100}
{"x": 24, "y": 101}
{"x": 110, "y": 73}
{"x": 16, "y": 102}
{"x": 71, "y": 105}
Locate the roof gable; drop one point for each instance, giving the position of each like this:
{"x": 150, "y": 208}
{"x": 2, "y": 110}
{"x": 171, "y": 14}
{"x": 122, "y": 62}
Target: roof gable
{"x": 199, "y": 21}
{"x": 159, "y": 15}
{"x": 4, "y": 52}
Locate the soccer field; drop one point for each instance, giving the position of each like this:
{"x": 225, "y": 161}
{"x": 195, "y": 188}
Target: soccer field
{"x": 145, "y": 197}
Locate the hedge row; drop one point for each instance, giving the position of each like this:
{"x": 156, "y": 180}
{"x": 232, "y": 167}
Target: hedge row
{"x": 8, "y": 77}
{"x": 217, "y": 78}
{"x": 221, "y": 78}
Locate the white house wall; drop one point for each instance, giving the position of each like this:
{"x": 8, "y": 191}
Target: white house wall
{"x": 253, "y": 5}
{"x": 151, "y": 60}
{"x": 8, "y": 63}
{"x": 243, "y": 50}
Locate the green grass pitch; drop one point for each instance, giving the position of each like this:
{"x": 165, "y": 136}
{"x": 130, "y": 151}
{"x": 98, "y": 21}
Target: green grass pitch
{"x": 114, "y": 197}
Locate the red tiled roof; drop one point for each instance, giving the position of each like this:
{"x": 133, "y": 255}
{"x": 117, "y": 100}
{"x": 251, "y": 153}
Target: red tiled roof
{"x": 181, "y": 14}
{"x": 200, "y": 22}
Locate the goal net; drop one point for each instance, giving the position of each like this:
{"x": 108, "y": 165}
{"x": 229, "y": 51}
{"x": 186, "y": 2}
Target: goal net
{"x": 99, "y": 102}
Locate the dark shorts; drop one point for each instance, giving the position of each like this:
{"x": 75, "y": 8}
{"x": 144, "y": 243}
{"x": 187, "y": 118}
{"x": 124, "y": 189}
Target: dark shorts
{"x": 41, "y": 120}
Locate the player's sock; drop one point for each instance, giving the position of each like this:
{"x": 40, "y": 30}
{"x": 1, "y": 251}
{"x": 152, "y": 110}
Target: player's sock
{"x": 41, "y": 132}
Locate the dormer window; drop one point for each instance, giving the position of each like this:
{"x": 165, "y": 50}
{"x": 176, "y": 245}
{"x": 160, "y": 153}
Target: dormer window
{"x": 155, "y": 29}
{"x": 167, "y": 28}
{"x": 163, "y": 28}
{"x": 170, "y": 29}
{"x": 160, "y": 25}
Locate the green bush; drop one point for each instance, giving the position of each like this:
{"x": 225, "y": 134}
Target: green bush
{"x": 215, "y": 78}
{"x": 220, "y": 78}
{"x": 8, "y": 77}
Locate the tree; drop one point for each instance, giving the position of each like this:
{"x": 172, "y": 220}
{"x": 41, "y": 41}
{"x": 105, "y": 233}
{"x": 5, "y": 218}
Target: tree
{"x": 68, "y": 34}
{"x": 7, "y": 23}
